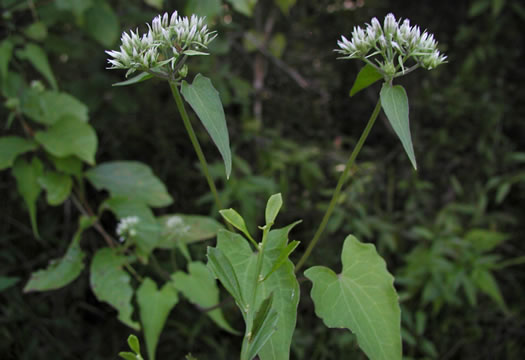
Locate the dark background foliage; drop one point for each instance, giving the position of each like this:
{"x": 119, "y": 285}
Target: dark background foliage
{"x": 291, "y": 122}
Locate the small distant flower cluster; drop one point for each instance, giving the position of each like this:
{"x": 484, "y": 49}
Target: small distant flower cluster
{"x": 126, "y": 227}
{"x": 392, "y": 45}
{"x": 176, "y": 223}
{"x": 162, "y": 46}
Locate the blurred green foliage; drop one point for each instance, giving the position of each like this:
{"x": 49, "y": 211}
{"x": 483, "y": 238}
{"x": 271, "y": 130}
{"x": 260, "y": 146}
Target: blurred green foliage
{"x": 451, "y": 233}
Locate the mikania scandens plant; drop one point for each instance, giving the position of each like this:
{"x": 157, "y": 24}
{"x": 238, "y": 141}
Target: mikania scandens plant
{"x": 394, "y": 49}
{"x": 259, "y": 275}
{"x": 387, "y": 51}
{"x": 163, "y": 50}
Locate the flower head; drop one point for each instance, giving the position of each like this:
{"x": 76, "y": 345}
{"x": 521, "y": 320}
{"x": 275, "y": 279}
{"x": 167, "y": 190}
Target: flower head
{"x": 126, "y": 227}
{"x": 391, "y": 47}
{"x": 165, "y": 47}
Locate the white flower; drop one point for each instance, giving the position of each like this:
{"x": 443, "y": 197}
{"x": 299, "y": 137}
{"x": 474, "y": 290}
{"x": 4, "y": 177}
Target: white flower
{"x": 174, "y": 221}
{"x": 389, "y": 47}
{"x": 126, "y": 227}
{"x": 390, "y": 26}
{"x": 164, "y": 48}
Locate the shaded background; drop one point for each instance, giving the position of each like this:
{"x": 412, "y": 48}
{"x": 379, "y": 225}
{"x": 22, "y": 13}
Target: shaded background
{"x": 291, "y": 124}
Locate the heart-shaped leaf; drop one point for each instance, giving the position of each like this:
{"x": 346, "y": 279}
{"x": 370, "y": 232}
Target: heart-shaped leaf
{"x": 155, "y": 306}
{"x": 63, "y": 271}
{"x": 48, "y": 107}
{"x": 362, "y": 298}
{"x": 111, "y": 283}
{"x": 70, "y": 136}
{"x": 130, "y": 179}
{"x": 199, "y": 286}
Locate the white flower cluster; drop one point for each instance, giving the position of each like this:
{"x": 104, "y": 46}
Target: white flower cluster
{"x": 126, "y": 227}
{"x": 176, "y": 223}
{"x": 391, "y": 46}
{"x": 162, "y": 46}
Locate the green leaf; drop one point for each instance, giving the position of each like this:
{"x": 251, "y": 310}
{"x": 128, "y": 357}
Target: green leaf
{"x": 245, "y": 7}
{"x": 274, "y": 204}
{"x": 70, "y": 165}
{"x": 70, "y": 136}
{"x": 157, "y": 4}
{"x": 186, "y": 229}
{"x": 285, "y": 5}
{"x": 7, "y": 281}
{"x": 126, "y": 355}
{"x": 155, "y": 306}
{"x": 234, "y": 218}
{"x": 11, "y": 147}
{"x": 130, "y": 179}
{"x": 101, "y": 23}
{"x": 27, "y": 175}
{"x": 48, "y": 107}
{"x": 282, "y": 283}
{"x": 6, "y": 51}
{"x": 206, "y": 103}
{"x": 111, "y": 284}
{"x": 135, "y": 80}
{"x": 264, "y": 326}
{"x": 200, "y": 287}
{"x": 394, "y": 101}
{"x": 486, "y": 282}
{"x": 58, "y": 187}
{"x": 36, "y": 31}
{"x": 63, "y": 271}
{"x": 148, "y": 230}
{"x": 194, "y": 53}
{"x": 367, "y": 76}
{"x": 38, "y": 58}
{"x": 485, "y": 240}
{"x": 283, "y": 256}
{"x": 133, "y": 341}
{"x": 223, "y": 270}
{"x": 361, "y": 298}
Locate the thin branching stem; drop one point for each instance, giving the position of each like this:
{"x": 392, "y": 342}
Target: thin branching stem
{"x": 338, "y": 188}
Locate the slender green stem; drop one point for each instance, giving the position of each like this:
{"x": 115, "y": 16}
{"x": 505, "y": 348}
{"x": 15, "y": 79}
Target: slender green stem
{"x": 194, "y": 141}
{"x": 258, "y": 279}
{"x": 338, "y": 188}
